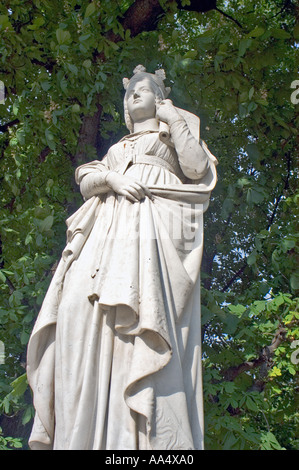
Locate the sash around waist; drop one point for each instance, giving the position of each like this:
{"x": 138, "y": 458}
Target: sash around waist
{"x": 148, "y": 160}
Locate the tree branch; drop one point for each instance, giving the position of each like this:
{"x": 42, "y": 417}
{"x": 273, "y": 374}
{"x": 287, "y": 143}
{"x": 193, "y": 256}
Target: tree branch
{"x": 229, "y": 17}
{"x": 7, "y": 125}
{"x": 235, "y": 276}
{"x": 200, "y": 6}
{"x": 285, "y": 187}
{"x": 264, "y": 358}
{"x": 143, "y": 15}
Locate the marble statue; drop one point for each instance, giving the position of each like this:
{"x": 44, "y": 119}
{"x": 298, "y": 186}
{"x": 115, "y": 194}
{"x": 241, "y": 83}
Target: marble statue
{"x": 114, "y": 359}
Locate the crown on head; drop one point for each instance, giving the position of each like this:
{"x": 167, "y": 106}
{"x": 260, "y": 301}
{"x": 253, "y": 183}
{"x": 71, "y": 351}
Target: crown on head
{"x": 159, "y": 76}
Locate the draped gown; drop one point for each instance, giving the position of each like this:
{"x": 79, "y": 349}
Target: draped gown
{"x": 114, "y": 359}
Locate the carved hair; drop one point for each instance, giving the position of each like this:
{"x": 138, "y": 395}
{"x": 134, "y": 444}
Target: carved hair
{"x": 161, "y": 92}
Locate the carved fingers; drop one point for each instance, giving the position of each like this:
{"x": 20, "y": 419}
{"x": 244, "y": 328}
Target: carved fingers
{"x": 135, "y": 191}
{"x": 165, "y": 111}
{"x": 125, "y": 186}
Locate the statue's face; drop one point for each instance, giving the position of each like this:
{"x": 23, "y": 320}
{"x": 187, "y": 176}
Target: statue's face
{"x": 141, "y": 100}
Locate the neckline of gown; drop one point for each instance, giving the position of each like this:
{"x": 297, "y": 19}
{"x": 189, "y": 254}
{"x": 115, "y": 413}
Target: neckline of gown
{"x": 136, "y": 135}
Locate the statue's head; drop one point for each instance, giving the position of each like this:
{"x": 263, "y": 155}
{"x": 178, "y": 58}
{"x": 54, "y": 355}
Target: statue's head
{"x": 143, "y": 91}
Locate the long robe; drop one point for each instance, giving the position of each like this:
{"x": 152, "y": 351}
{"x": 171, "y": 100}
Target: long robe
{"x": 114, "y": 359}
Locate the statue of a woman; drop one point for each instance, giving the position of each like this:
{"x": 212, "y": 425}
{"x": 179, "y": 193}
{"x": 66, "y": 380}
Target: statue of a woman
{"x": 114, "y": 359}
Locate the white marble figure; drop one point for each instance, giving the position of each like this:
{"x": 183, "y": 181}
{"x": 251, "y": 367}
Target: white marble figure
{"x": 114, "y": 359}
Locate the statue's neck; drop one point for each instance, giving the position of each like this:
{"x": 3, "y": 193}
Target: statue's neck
{"x": 146, "y": 125}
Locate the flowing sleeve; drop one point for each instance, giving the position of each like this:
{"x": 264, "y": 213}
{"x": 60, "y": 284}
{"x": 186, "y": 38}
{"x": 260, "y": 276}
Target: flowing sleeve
{"x": 193, "y": 155}
{"x": 91, "y": 178}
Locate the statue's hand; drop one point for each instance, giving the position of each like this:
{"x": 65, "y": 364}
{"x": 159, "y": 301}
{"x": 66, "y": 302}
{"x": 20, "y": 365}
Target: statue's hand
{"x": 125, "y": 186}
{"x": 166, "y": 111}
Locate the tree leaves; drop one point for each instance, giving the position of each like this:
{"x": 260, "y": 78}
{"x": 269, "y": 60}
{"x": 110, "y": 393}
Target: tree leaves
{"x": 63, "y": 37}
{"x": 90, "y": 9}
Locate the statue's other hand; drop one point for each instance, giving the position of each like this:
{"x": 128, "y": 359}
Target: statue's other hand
{"x": 125, "y": 186}
{"x": 166, "y": 111}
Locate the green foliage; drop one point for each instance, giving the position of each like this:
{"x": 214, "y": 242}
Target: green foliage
{"x": 9, "y": 443}
{"x": 249, "y": 388}
{"x": 60, "y": 61}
